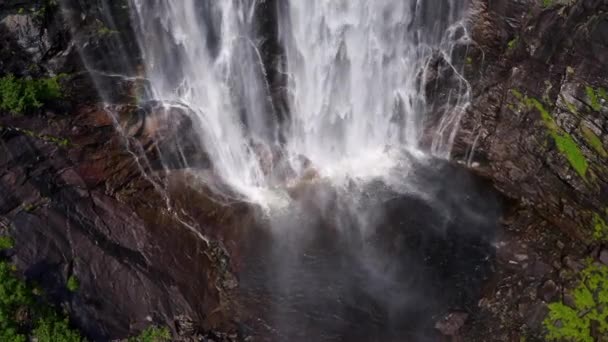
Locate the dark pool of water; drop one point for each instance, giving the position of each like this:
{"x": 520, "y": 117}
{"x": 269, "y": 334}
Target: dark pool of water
{"x": 371, "y": 264}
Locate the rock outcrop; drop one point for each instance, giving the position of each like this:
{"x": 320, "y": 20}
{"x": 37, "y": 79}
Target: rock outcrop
{"x": 78, "y": 204}
{"x": 538, "y": 122}
{"x": 537, "y": 128}
{"x": 86, "y": 194}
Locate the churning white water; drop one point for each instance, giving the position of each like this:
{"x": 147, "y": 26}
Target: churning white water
{"x": 353, "y": 71}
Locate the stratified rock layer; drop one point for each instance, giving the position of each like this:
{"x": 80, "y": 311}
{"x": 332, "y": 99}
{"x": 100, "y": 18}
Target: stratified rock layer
{"x": 538, "y": 123}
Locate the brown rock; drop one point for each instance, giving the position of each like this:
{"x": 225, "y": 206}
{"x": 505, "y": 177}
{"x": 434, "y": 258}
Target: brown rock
{"x": 549, "y": 291}
{"x": 451, "y": 324}
{"x": 604, "y": 257}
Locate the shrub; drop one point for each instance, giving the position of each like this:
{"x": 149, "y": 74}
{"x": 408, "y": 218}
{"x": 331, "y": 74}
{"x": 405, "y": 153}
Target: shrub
{"x": 152, "y": 334}
{"x": 21, "y": 95}
{"x": 54, "y": 329}
{"x": 19, "y": 307}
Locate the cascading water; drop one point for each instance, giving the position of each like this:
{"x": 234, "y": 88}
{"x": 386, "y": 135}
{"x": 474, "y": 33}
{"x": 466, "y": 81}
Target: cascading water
{"x": 319, "y": 108}
{"x": 352, "y": 70}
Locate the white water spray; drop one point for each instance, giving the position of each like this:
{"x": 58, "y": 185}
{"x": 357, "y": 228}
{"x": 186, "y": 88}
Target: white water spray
{"x": 353, "y": 82}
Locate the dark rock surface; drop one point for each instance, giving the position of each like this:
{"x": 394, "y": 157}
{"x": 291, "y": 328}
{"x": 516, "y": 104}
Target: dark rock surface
{"x": 82, "y": 208}
{"x": 149, "y": 245}
{"x": 537, "y": 128}
{"x": 538, "y": 123}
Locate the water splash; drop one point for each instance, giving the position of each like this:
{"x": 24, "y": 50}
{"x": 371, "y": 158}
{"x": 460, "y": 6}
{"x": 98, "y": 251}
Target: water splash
{"x": 353, "y": 74}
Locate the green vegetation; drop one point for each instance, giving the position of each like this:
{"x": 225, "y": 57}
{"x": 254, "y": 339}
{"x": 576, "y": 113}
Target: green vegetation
{"x": 6, "y": 242}
{"x": 63, "y": 142}
{"x": 594, "y": 96}
{"x": 23, "y": 316}
{"x": 547, "y": 3}
{"x": 573, "y": 323}
{"x": 513, "y": 43}
{"x": 53, "y": 329}
{"x": 21, "y": 95}
{"x": 73, "y": 284}
{"x": 594, "y": 141}
{"x": 600, "y": 228}
{"x": 565, "y": 143}
{"x": 152, "y": 334}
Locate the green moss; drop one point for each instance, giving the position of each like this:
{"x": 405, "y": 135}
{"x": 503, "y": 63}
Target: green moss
{"x": 517, "y": 94}
{"x": 6, "y": 242}
{"x": 568, "y": 147}
{"x": 600, "y": 228}
{"x": 547, "y": 3}
{"x": 590, "y": 308}
{"x": 602, "y": 93}
{"x": 594, "y": 96}
{"x": 594, "y": 141}
{"x": 22, "y": 95}
{"x": 152, "y": 334}
{"x": 512, "y": 44}
{"x": 565, "y": 143}
{"x": 73, "y": 284}
{"x": 62, "y": 142}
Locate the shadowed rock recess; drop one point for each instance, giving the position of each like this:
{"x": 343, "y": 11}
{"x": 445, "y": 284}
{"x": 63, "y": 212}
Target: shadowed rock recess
{"x": 100, "y": 186}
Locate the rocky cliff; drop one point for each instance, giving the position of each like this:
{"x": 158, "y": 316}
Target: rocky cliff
{"x": 538, "y": 128}
{"x": 79, "y": 202}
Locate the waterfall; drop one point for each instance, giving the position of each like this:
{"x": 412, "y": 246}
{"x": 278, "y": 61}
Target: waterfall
{"x": 353, "y": 84}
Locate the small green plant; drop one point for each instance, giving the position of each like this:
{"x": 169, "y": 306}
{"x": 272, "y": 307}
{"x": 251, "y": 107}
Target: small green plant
{"x": 21, "y": 95}
{"x": 574, "y": 323}
{"x": 512, "y": 44}
{"x": 73, "y": 284}
{"x": 152, "y": 334}
{"x": 6, "y": 242}
{"x": 595, "y": 96}
{"x": 600, "y": 228}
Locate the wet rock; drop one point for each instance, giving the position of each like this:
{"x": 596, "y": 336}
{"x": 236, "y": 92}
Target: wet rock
{"x": 549, "y": 291}
{"x": 514, "y": 140}
{"x": 540, "y": 269}
{"x": 569, "y": 301}
{"x": 86, "y": 208}
{"x": 535, "y": 316}
{"x": 573, "y": 264}
{"x": 451, "y": 324}
{"x": 604, "y": 257}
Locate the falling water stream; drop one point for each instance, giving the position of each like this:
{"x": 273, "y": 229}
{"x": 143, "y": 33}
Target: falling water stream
{"x": 315, "y": 110}
{"x": 352, "y": 83}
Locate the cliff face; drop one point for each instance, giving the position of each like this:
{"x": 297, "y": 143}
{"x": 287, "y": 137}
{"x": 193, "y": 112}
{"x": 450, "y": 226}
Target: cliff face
{"x": 78, "y": 204}
{"x": 538, "y": 123}
{"x": 537, "y": 127}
